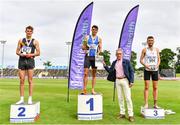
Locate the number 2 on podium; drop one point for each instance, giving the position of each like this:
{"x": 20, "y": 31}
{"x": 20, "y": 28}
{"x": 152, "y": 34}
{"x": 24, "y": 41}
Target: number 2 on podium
{"x": 22, "y": 110}
{"x": 91, "y": 102}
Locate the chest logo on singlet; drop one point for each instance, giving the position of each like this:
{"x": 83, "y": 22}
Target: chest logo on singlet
{"x": 151, "y": 59}
{"x": 93, "y": 45}
{"x": 26, "y": 49}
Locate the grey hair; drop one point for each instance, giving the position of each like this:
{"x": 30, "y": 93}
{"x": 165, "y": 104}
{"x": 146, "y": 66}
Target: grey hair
{"x": 119, "y": 49}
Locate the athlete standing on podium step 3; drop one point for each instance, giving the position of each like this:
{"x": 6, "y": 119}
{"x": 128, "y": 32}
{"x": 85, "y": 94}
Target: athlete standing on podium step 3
{"x": 92, "y": 45}
{"x": 27, "y": 50}
{"x": 150, "y": 58}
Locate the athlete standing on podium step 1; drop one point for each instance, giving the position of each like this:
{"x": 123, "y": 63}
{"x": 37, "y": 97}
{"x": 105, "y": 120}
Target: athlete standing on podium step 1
{"x": 92, "y": 45}
{"x": 27, "y": 50}
{"x": 150, "y": 58}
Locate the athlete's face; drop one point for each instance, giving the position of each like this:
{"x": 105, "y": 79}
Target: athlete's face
{"x": 94, "y": 31}
{"x": 29, "y": 32}
{"x": 150, "y": 42}
{"x": 119, "y": 54}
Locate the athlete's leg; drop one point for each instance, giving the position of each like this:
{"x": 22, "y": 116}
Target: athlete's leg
{"x": 86, "y": 70}
{"x": 146, "y": 87}
{"x": 155, "y": 92}
{"x": 146, "y": 93}
{"x": 93, "y": 79}
{"x": 22, "y": 74}
{"x": 30, "y": 81}
{"x": 155, "y": 77}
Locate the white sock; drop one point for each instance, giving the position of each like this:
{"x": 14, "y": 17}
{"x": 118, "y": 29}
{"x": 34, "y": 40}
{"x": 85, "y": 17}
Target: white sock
{"x": 21, "y": 100}
{"x": 30, "y": 97}
{"x": 30, "y": 100}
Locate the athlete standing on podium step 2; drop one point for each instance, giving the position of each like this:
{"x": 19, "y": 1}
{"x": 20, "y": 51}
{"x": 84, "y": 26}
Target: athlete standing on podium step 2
{"x": 27, "y": 50}
{"x": 92, "y": 45}
{"x": 150, "y": 58}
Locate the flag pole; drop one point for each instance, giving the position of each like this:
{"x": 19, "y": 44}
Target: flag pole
{"x": 68, "y": 91}
{"x": 114, "y": 91}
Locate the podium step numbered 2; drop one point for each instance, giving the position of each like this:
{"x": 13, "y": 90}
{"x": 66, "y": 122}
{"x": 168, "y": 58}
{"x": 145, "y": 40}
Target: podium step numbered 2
{"x": 90, "y": 107}
{"x": 24, "y": 113}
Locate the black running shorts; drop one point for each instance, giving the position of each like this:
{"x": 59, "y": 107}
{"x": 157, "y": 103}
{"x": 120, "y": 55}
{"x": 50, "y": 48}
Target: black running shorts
{"x": 26, "y": 63}
{"x": 89, "y": 61}
{"x": 151, "y": 74}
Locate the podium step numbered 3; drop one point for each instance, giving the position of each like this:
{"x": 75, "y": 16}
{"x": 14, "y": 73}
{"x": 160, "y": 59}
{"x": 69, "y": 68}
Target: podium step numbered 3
{"x": 90, "y": 107}
{"x": 151, "y": 113}
{"x": 24, "y": 113}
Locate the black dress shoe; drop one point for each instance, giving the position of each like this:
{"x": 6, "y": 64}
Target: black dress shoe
{"x": 121, "y": 116}
{"x": 131, "y": 118}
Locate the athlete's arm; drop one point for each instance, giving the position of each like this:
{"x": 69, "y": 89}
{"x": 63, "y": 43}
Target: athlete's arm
{"x": 100, "y": 45}
{"x": 158, "y": 55}
{"x": 142, "y": 58}
{"x": 37, "y": 53}
{"x": 18, "y": 49}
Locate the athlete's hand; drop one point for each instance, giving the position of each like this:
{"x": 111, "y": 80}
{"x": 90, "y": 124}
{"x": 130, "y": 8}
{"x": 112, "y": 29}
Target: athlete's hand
{"x": 157, "y": 66}
{"x": 22, "y": 55}
{"x": 29, "y": 55}
{"x": 85, "y": 51}
{"x": 147, "y": 66}
{"x": 104, "y": 64}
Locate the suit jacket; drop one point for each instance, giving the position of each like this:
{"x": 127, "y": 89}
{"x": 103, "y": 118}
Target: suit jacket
{"x": 128, "y": 71}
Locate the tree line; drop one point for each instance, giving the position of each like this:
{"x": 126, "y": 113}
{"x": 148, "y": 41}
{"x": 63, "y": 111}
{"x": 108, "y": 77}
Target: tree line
{"x": 167, "y": 56}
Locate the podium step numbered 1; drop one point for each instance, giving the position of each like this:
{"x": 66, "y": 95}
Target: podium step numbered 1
{"x": 24, "y": 113}
{"x": 90, "y": 107}
{"x": 151, "y": 113}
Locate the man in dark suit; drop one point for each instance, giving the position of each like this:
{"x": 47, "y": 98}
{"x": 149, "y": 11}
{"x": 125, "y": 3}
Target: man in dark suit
{"x": 121, "y": 72}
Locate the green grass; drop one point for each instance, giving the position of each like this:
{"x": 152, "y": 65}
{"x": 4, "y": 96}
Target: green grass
{"x": 55, "y": 110}
{"x": 178, "y": 75}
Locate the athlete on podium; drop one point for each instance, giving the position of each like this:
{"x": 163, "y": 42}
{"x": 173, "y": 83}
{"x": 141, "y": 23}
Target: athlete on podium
{"x": 92, "y": 45}
{"x": 27, "y": 50}
{"x": 150, "y": 59}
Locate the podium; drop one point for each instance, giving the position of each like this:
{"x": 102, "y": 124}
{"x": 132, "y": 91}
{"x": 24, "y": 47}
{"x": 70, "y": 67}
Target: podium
{"x": 152, "y": 113}
{"x": 90, "y": 107}
{"x": 24, "y": 113}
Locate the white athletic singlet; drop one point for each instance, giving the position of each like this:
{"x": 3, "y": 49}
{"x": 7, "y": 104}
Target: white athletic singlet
{"x": 151, "y": 59}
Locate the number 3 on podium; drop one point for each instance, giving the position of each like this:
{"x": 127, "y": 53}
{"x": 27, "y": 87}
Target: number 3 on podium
{"x": 91, "y": 102}
{"x": 21, "y": 113}
{"x": 155, "y": 112}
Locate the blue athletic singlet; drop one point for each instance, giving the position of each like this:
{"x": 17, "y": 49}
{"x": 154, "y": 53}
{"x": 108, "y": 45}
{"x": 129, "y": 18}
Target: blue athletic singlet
{"x": 93, "y": 45}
